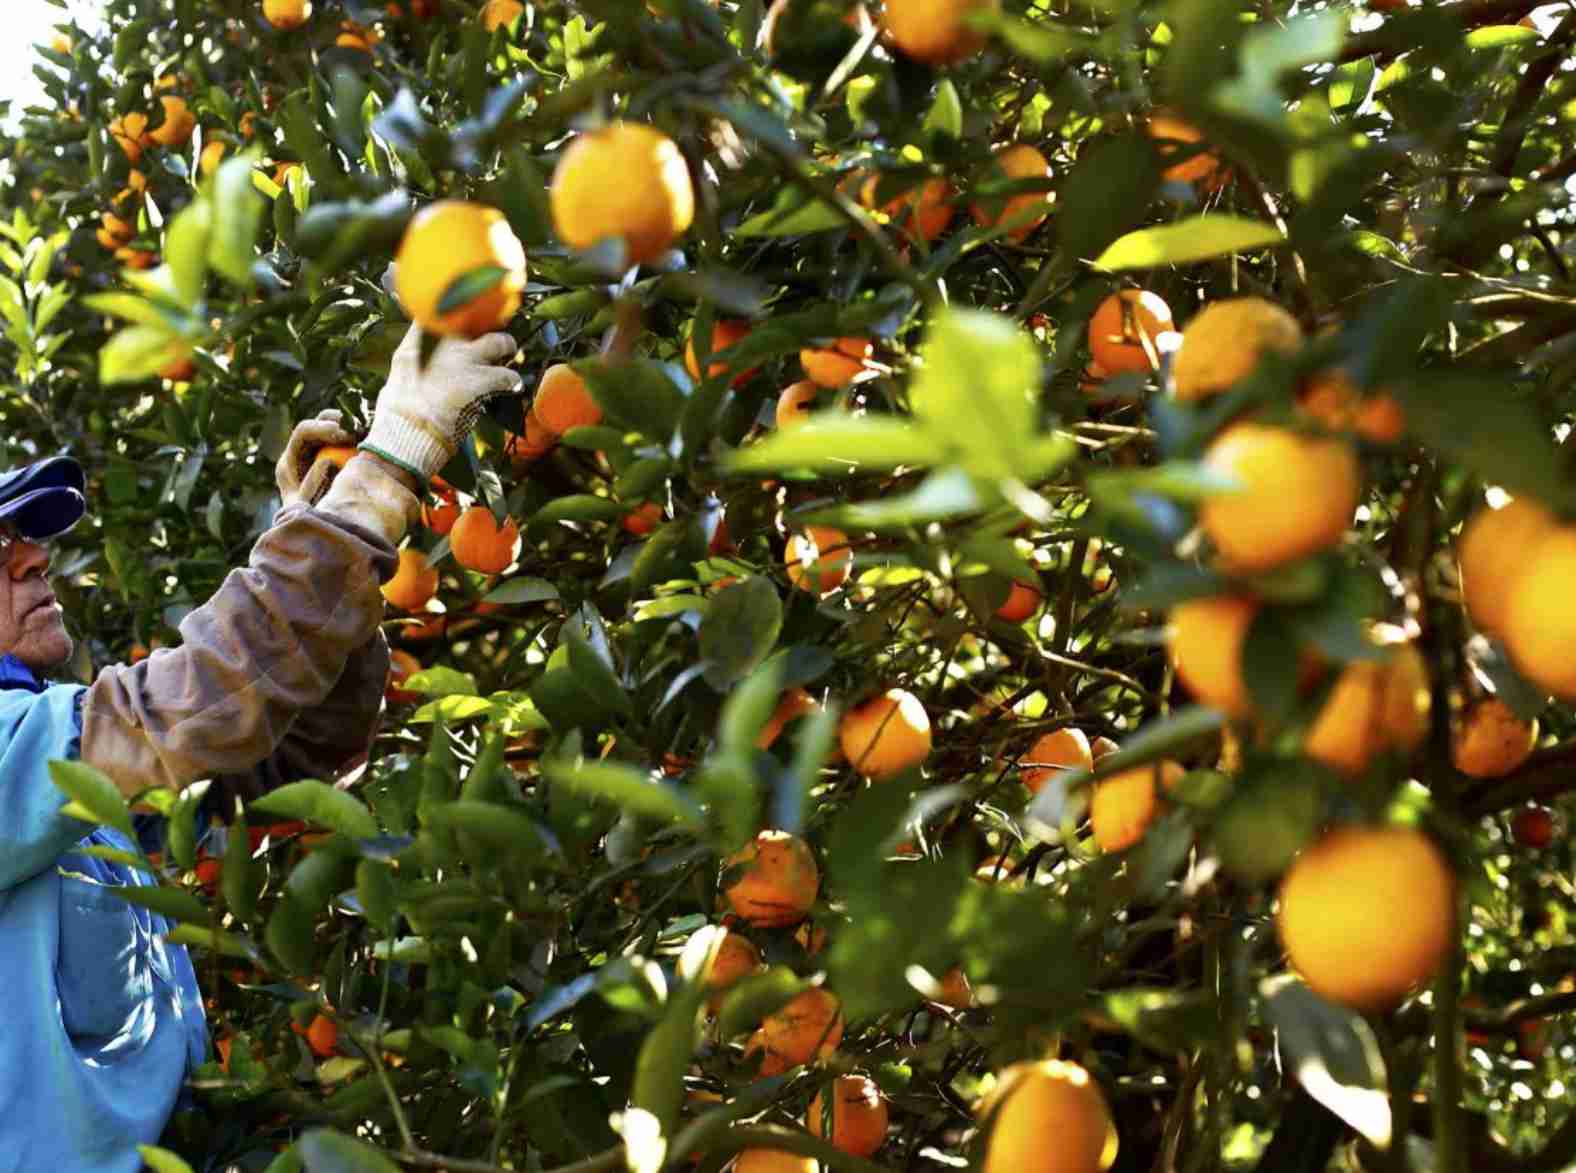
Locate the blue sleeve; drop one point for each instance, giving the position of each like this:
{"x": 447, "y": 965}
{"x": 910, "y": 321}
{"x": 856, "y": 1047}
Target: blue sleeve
{"x": 35, "y": 728}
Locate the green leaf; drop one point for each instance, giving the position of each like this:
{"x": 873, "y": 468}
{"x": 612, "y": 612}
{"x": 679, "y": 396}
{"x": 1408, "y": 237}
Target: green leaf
{"x": 467, "y": 287}
{"x": 740, "y": 630}
{"x": 1333, "y": 1054}
{"x": 1199, "y": 238}
{"x": 94, "y": 793}
{"x": 665, "y": 1056}
{"x": 1271, "y": 50}
{"x": 500, "y": 828}
{"x": 1498, "y": 36}
{"x": 325, "y": 1151}
{"x": 237, "y": 217}
{"x": 578, "y": 507}
{"x": 136, "y": 353}
{"x": 626, "y": 787}
{"x": 317, "y": 802}
{"x": 746, "y": 712}
{"x": 840, "y": 443}
{"x": 186, "y": 249}
{"x": 162, "y": 1160}
{"x": 637, "y": 394}
{"x": 522, "y": 590}
{"x": 239, "y": 880}
{"x": 228, "y": 944}
{"x": 946, "y": 112}
{"x": 174, "y": 903}
{"x": 795, "y": 212}
{"x": 132, "y": 308}
{"x": 1109, "y": 190}
{"x": 595, "y": 675}
{"x": 1168, "y": 1020}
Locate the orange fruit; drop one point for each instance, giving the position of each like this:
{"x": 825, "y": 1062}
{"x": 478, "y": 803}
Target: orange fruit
{"x": 1031, "y": 1104}
{"x": 923, "y": 211}
{"x": 536, "y": 443}
{"x": 1023, "y": 600}
{"x": 287, "y": 14}
{"x": 1492, "y": 553}
{"x": 500, "y": 12}
{"x": 130, "y": 132}
{"x": 809, "y": 1026}
{"x": 563, "y": 401}
{"x": 1204, "y": 641}
{"x": 135, "y": 258}
{"x": 178, "y": 124}
{"x": 1331, "y": 397}
{"x": 1203, "y": 168}
{"x": 628, "y": 181}
{"x": 1123, "y": 805}
{"x": 1101, "y": 746}
{"x": 248, "y": 125}
{"x": 811, "y": 937}
{"x": 1027, "y": 210}
{"x": 1376, "y": 706}
{"x": 853, "y": 1117}
{"x": 795, "y": 703}
{"x": 886, "y": 735}
{"x": 402, "y": 665}
{"x": 1120, "y": 326}
{"x": 446, "y": 241}
{"x": 777, "y": 880}
{"x": 336, "y": 454}
{"x": 1491, "y": 740}
{"x": 179, "y": 369}
{"x": 322, "y": 1036}
{"x": 838, "y": 364}
{"x": 354, "y": 36}
{"x": 735, "y": 959}
{"x": 725, "y": 332}
{"x": 1533, "y": 826}
{"x": 643, "y": 519}
{"x": 222, "y": 1046}
{"x": 439, "y": 516}
{"x": 479, "y": 543}
{"x": 956, "y": 991}
{"x": 212, "y": 155}
{"x": 1224, "y": 342}
{"x": 935, "y": 32}
{"x": 414, "y": 582}
{"x": 793, "y": 405}
{"x": 1296, "y": 495}
{"x": 772, "y": 1160}
{"x": 1539, "y": 621}
{"x": 1062, "y": 749}
{"x": 115, "y": 231}
{"x": 819, "y": 559}
{"x": 1339, "y": 914}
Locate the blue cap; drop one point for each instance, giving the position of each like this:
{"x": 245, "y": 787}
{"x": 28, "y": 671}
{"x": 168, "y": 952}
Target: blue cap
{"x": 44, "y": 499}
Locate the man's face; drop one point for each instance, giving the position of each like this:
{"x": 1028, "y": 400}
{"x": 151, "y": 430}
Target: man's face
{"x": 32, "y": 627}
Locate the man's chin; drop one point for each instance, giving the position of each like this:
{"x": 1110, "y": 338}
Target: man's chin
{"x": 46, "y": 652}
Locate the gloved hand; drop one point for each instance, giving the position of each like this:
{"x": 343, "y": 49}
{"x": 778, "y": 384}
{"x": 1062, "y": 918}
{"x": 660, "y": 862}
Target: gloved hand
{"x": 300, "y": 481}
{"x": 423, "y": 414}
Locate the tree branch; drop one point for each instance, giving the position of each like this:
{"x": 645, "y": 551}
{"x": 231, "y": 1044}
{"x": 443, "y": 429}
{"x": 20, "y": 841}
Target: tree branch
{"x": 1383, "y": 43}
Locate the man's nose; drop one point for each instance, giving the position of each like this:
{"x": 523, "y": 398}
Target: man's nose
{"x": 27, "y": 558}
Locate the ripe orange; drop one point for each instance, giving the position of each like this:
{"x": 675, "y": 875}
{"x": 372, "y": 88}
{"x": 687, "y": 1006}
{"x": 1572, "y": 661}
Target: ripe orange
{"x": 499, "y": 12}
{"x": 1101, "y": 746}
{"x": 643, "y": 519}
{"x": 536, "y": 443}
{"x": 1027, "y": 210}
{"x": 793, "y": 405}
{"x": 179, "y": 122}
{"x": 956, "y": 991}
{"x": 923, "y": 211}
{"x": 1203, "y": 168}
{"x": 355, "y": 36}
{"x": 1492, "y": 552}
{"x": 628, "y": 181}
{"x": 1204, "y": 641}
{"x": 1224, "y": 342}
{"x": 772, "y": 1160}
{"x": 446, "y": 241}
{"x": 853, "y": 1118}
{"x": 130, "y": 132}
{"x": 777, "y": 880}
{"x": 809, "y": 1026}
{"x": 1047, "y": 1117}
{"x": 1338, "y": 914}
{"x": 136, "y": 258}
{"x": 1533, "y": 826}
{"x": 1123, "y": 805}
{"x": 736, "y": 958}
{"x": 1491, "y": 740}
{"x": 1063, "y": 749}
{"x": 1121, "y": 325}
{"x": 179, "y": 369}
{"x": 1023, "y": 600}
{"x": 1540, "y": 623}
{"x": 336, "y": 454}
{"x": 479, "y": 543}
{"x": 287, "y": 14}
{"x": 1297, "y": 495}
{"x": 1331, "y": 397}
{"x": 322, "y": 1036}
{"x": 934, "y": 31}
{"x": 115, "y": 231}
{"x": 838, "y": 364}
{"x": 283, "y": 172}
{"x": 1376, "y": 706}
{"x": 414, "y": 582}
{"x": 725, "y": 332}
{"x": 819, "y": 559}
{"x": 439, "y": 516}
{"x": 886, "y": 735}
{"x": 212, "y": 155}
{"x": 811, "y": 937}
{"x": 563, "y": 401}
{"x": 795, "y": 703}
{"x": 402, "y": 665}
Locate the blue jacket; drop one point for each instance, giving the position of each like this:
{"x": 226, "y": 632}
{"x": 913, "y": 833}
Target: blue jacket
{"x": 103, "y": 1017}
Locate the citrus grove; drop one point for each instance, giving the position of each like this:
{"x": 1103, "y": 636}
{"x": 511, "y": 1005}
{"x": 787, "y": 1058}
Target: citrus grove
{"x": 1023, "y": 621}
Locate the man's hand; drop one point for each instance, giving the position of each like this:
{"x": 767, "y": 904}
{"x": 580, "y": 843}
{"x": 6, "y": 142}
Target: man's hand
{"x": 300, "y": 480}
{"x": 423, "y": 413}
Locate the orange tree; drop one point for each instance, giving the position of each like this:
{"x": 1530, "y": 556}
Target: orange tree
{"x": 1026, "y": 608}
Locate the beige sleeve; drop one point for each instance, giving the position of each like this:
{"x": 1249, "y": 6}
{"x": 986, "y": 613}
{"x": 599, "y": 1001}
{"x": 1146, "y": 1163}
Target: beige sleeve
{"x": 271, "y": 645}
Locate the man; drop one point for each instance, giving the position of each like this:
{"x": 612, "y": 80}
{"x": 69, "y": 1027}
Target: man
{"x": 279, "y": 676}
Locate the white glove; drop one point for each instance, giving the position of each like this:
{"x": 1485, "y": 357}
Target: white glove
{"x": 300, "y": 480}
{"x": 423, "y": 414}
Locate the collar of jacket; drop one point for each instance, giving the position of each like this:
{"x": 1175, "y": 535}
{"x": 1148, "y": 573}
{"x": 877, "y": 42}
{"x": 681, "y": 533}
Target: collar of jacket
{"x": 15, "y": 674}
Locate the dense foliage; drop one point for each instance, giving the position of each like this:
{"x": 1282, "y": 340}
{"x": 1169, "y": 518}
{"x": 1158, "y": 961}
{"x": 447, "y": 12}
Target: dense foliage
{"x": 491, "y": 940}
